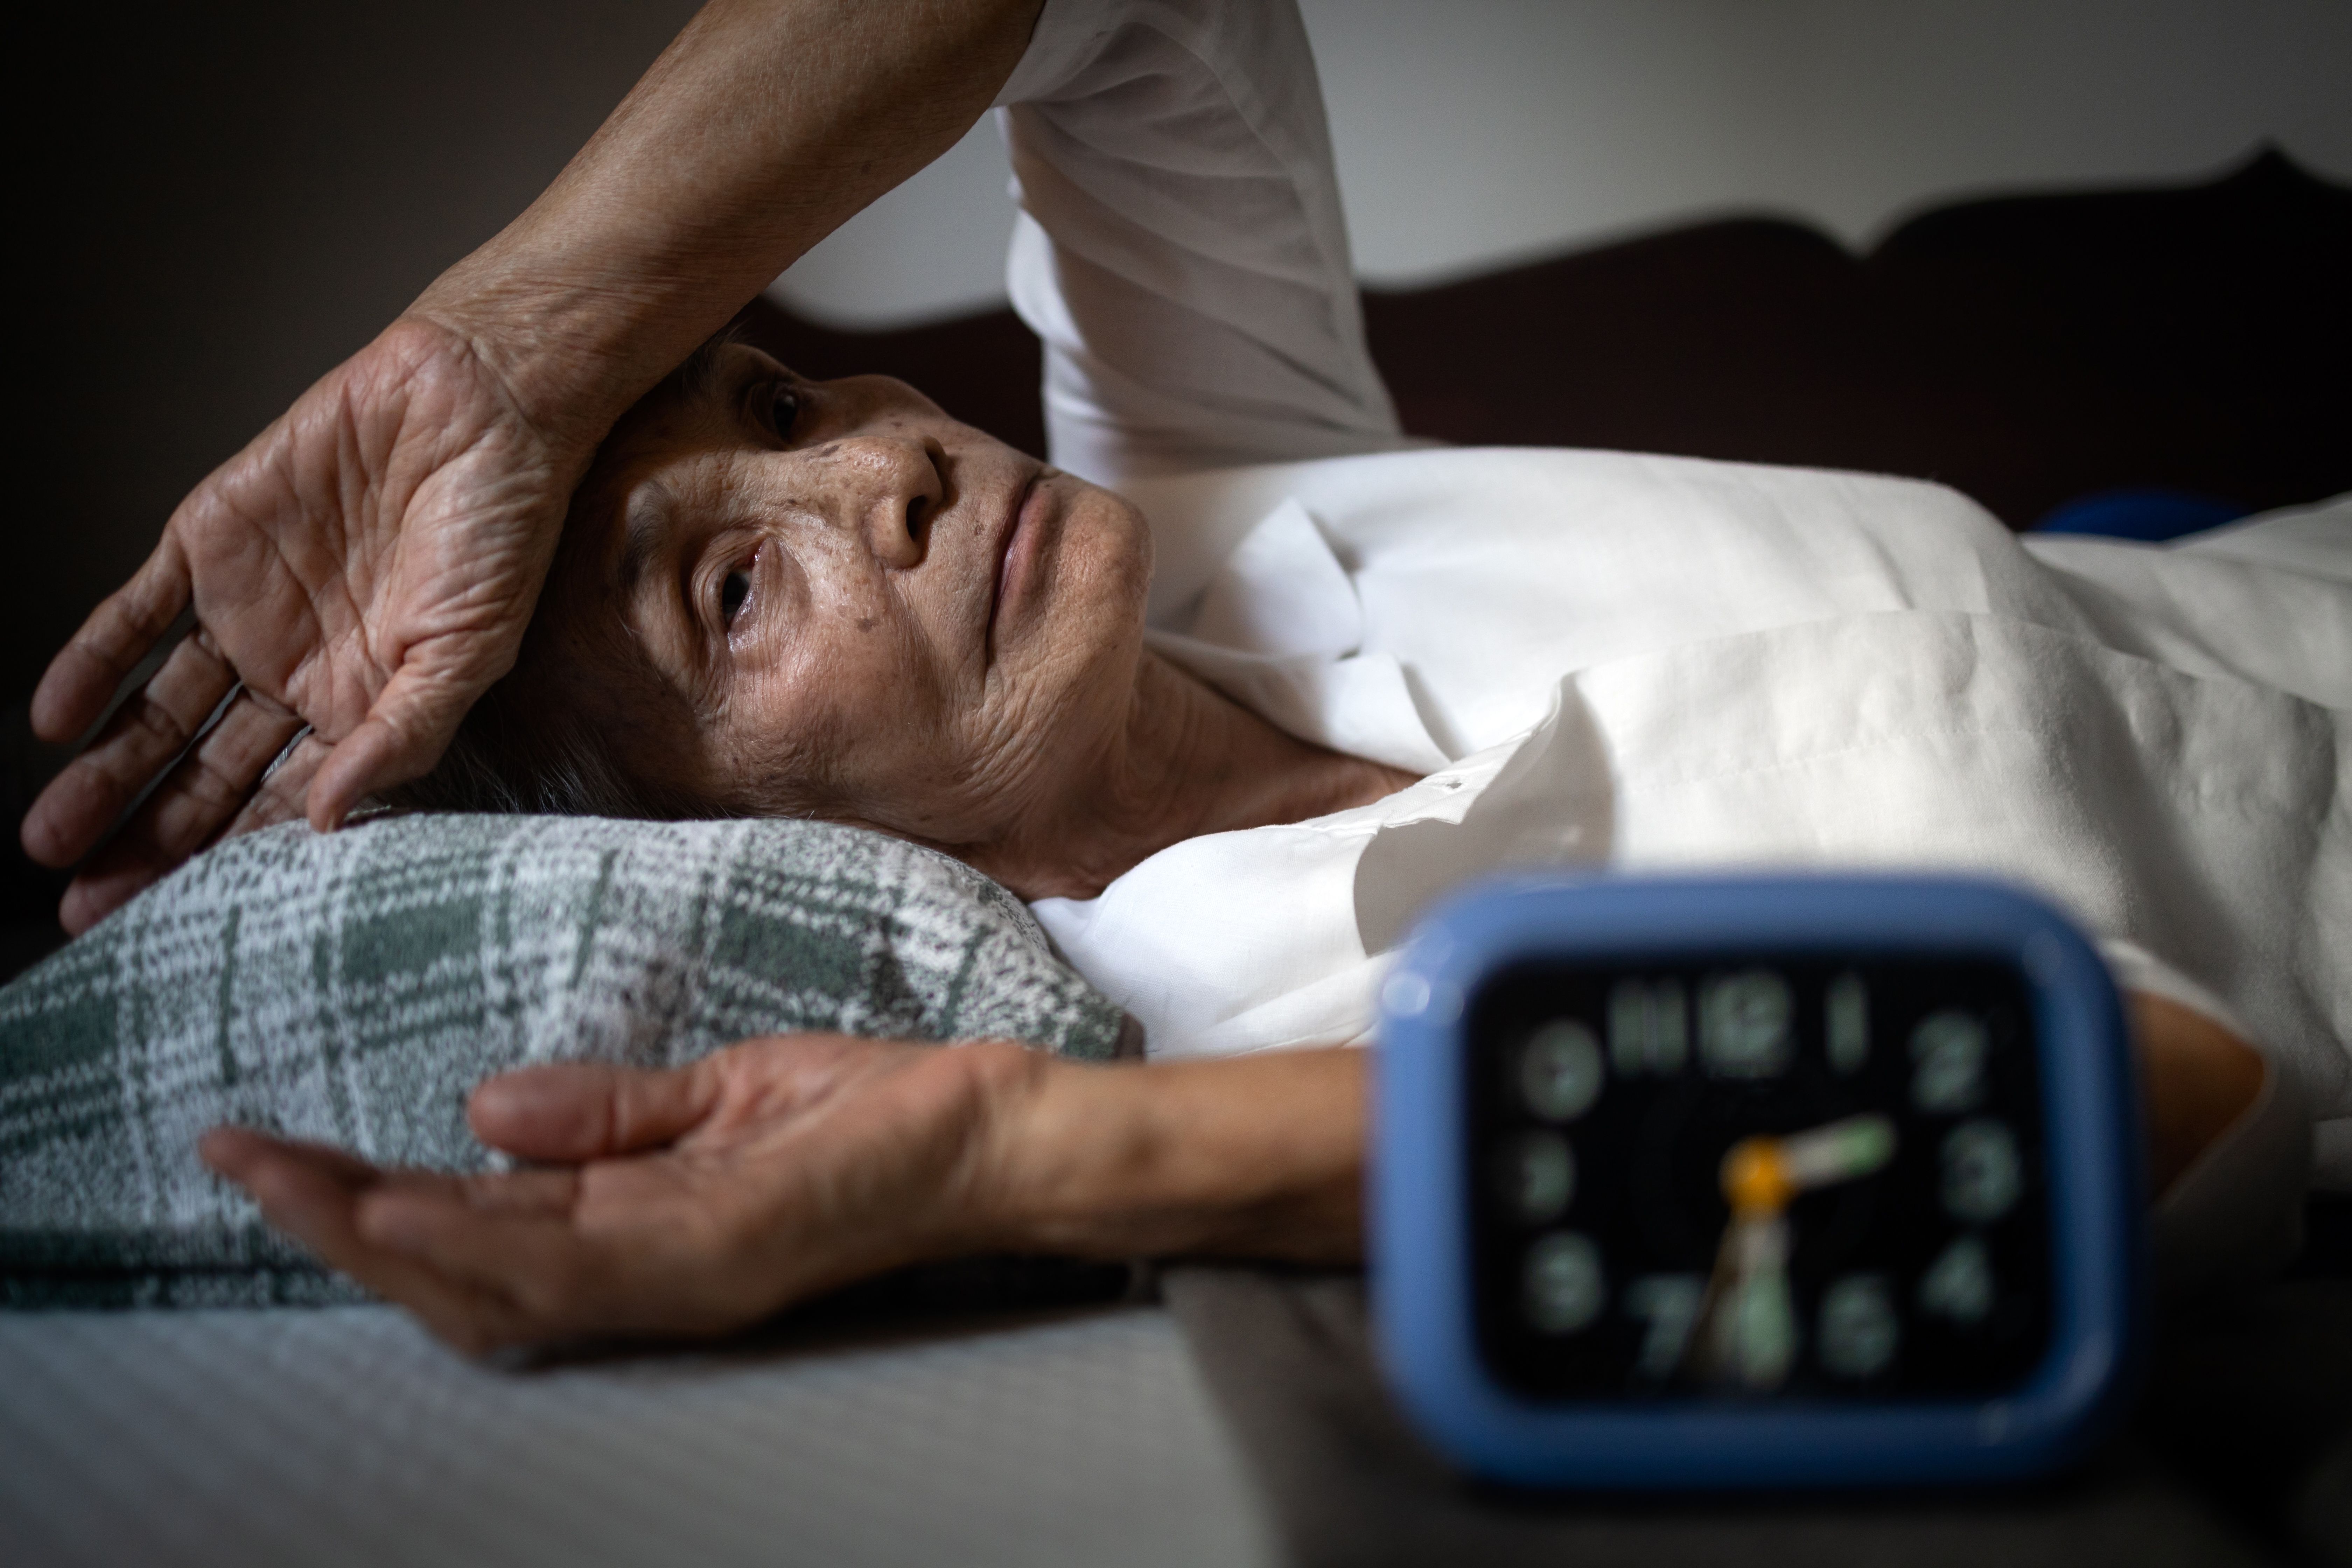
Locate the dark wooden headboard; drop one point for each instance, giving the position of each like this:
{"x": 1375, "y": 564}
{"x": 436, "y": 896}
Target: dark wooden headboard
{"x": 2027, "y": 350}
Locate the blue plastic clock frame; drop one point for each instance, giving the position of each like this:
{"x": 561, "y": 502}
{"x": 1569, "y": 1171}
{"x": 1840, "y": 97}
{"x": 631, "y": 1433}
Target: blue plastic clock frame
{"x": 1420, "y": 1275}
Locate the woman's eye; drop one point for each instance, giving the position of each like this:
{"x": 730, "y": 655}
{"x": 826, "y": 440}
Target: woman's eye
{"x": 732, "y": 593}
{"x": 784, "y": 411}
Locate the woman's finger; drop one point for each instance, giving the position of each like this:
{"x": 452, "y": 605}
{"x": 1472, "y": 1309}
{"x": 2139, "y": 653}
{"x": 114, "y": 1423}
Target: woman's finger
{"x": 279, "y": 796}
{"x": 85, "y": 673}
{"x": 640, "y": 1269}
{"x": 233, "y": 1151}
{"x": 154, "y": 726}
{"x": 314, "y": 1195}
{"x": 510, "y": 1246}
{"x": 102, "y": 887}
{"x": 499, "y": 1243}
{"x": 208, "y": 789}
{"x": 214, "y": 781}
{"x": 575, "y": 1111}
{"x": 407, "y": 728}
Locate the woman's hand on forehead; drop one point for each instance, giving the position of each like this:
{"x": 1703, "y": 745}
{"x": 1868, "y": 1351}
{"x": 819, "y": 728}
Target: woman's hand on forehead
{"x": 358, "y": 574}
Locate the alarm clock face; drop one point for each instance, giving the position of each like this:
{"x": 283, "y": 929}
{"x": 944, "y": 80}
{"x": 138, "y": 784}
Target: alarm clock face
{"x": 1760, "y": 1178}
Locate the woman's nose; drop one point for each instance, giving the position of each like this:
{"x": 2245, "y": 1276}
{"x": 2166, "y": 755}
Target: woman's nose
{"x": 893, "y": 487}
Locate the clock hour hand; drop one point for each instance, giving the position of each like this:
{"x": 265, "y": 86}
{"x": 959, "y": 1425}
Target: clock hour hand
{"x": 1747, "y": 1330}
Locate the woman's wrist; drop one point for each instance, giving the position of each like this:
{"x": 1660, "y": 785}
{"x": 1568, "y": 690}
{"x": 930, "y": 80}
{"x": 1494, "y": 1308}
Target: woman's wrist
{"x": 764, "y": 125}
{"x": 571, "y": 359}
{"x": 1258, "y": 1156}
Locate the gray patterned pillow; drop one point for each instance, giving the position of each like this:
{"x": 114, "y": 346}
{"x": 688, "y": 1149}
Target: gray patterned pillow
{"x": 354, "y": 988}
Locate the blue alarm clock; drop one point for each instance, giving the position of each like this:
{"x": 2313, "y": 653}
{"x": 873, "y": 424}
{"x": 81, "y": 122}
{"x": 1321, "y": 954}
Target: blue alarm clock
{"x": 1755, "y": 1181}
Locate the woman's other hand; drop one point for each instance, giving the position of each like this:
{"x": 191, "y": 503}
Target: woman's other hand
{"x": 686, "y": 1202}
{"x": 704, "y": 1198}
{"x": 366, "y": 567}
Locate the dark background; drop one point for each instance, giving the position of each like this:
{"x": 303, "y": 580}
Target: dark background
{"x": 226, "y": 201}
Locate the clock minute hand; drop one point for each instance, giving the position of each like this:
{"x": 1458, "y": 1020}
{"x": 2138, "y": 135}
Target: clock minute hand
{"x": 1836, "y": 1151}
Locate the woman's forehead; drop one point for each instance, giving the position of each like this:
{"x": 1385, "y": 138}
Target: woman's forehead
{"x": 692, "y": 410}
{"x": 674, "y": 462}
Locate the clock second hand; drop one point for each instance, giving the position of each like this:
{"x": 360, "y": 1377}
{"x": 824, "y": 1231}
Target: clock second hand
{"x": 1747, "y": 1328}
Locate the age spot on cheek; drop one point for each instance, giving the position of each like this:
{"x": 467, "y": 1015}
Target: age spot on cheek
{"x": 865, "y": 623}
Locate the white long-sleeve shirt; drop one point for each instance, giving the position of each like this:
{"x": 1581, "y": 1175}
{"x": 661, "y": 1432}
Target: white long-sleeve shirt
{"x": 1639, "y": 661}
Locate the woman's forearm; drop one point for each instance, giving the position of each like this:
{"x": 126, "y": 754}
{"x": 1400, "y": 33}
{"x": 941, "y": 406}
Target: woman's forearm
{"x": 701, "y": 1198}
{"x": 1263, "y": 1156}
{"x": 1259, "y": 1156}
{"x": 2196, "y": 1078}
{"x": 759, "y": 131}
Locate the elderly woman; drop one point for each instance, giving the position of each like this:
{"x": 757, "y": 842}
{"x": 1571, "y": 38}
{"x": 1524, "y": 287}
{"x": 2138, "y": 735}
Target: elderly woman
{"x": 1227, "y": 727}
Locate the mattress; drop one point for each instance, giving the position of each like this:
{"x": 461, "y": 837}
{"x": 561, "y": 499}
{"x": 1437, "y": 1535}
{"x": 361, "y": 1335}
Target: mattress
{"x": 347, "y": 1436}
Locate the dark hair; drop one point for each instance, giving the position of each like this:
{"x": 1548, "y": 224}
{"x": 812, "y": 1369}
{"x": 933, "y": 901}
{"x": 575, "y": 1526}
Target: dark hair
{"x": 517, "y": 754}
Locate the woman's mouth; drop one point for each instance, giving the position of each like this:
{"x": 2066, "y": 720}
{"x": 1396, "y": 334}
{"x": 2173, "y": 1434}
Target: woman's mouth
{"x": 1014, "y": 553}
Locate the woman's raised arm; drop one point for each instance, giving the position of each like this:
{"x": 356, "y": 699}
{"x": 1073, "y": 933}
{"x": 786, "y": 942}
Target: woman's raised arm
{"x": 367, "y": 566}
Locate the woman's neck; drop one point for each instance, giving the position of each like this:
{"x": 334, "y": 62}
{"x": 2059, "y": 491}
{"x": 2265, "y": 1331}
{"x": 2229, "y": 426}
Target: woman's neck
{"x": 1190, "y": 761}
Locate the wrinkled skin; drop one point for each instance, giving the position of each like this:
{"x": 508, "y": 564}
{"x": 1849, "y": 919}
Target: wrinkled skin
{"x": 366, "y": 565}
{"x": 703, "y": 1198}
{"x": 778, "y": 596}
{"x": 826, "y": 577}
{"x": 681, "y": 1203}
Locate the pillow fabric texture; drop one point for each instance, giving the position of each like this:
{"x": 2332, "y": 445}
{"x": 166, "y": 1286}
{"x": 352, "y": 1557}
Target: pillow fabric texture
{"x": 354, "y": 988}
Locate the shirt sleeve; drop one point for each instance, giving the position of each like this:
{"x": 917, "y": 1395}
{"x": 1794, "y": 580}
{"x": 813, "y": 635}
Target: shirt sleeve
{"x": 1181, "y": 250}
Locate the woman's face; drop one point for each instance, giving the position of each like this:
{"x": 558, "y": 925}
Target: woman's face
{"x": 838, "y": 599}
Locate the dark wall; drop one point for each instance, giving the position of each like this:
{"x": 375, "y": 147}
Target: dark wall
{"x": 2030, "y": 350}
{"x": 226, "y": 201}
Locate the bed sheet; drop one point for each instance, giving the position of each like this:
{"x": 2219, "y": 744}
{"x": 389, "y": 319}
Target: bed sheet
{"x": 346, "y": 1436}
